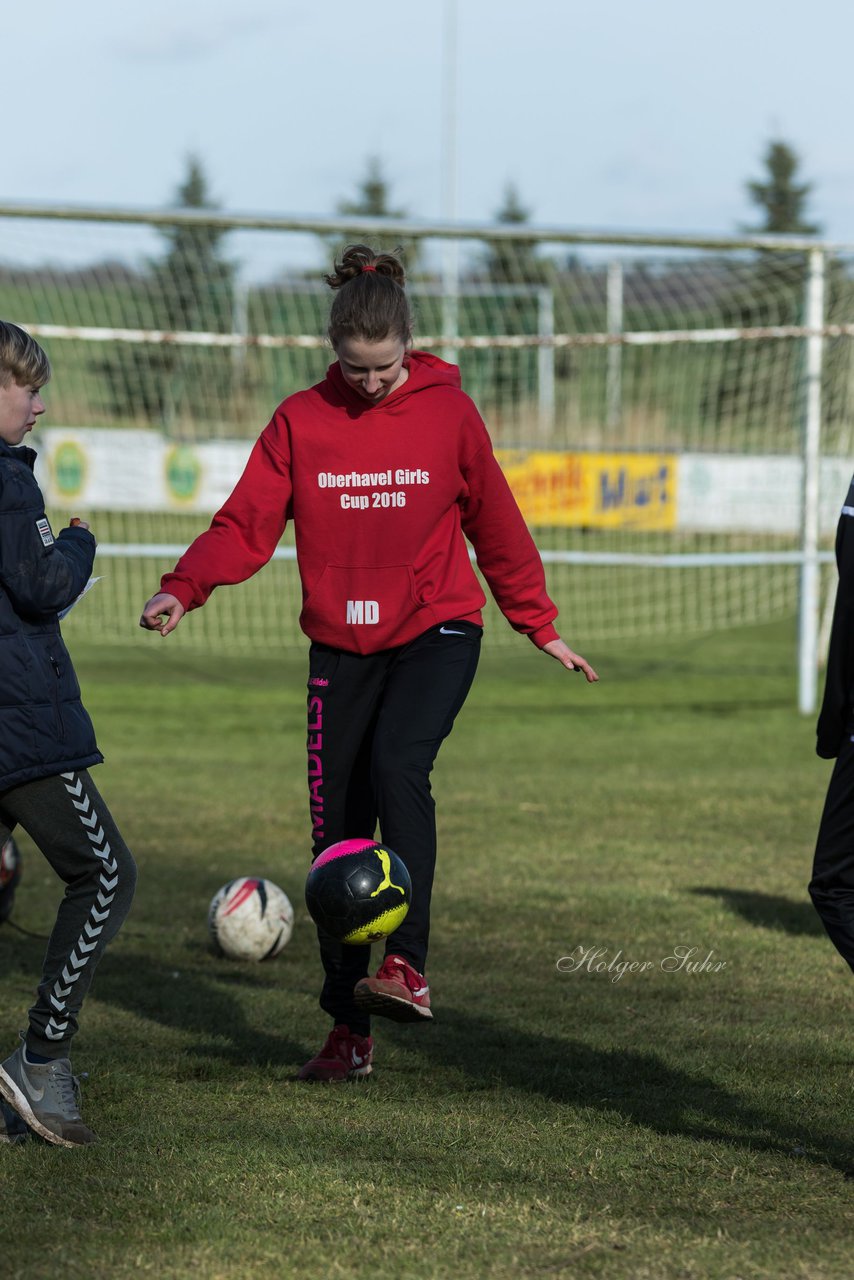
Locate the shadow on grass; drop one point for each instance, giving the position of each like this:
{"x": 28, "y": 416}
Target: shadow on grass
{"x": 21, "y": 951}
{"x": 192, "y": 1000}
{"x": 638, "y": 1086}
{"x": 769, "y": 911}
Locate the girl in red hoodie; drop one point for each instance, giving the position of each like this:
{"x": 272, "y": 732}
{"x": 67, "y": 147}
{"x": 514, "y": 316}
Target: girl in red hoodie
{"x": 385, "y": 468}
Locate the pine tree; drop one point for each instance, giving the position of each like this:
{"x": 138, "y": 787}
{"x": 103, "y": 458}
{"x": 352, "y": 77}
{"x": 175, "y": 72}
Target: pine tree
{"x": 191, "y": 288}
{"x": 778, "y": 282}
{"x": 195, "y": 285}
{"x": 782, "y": 199}
{"x": 770, "y": 292}
{"x": 373, "y": 200}
{"x": 513, "y": 261}
{"x": 196, "y": 282}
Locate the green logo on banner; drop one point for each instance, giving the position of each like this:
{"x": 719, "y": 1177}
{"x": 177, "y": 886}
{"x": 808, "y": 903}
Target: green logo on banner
{"x": 183, "y": 473}
{"x": 69, "y": 469}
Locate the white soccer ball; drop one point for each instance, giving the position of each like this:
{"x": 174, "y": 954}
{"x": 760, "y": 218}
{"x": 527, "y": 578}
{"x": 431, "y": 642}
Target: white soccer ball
{"x": 250, "y": 919}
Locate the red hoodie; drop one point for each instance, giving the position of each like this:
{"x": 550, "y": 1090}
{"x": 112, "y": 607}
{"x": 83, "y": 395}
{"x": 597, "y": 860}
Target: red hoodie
{"x": 380, "y": 495}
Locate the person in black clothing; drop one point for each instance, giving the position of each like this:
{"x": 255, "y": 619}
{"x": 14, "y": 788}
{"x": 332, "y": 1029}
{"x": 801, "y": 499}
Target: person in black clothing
{"x": 832, "y": 885}
{"x": 47, "y": 744}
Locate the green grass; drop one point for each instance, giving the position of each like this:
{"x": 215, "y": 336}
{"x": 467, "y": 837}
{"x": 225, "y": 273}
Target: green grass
{"x": 664, "y": 1125}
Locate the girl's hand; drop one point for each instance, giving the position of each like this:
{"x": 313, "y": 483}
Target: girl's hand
{"x": 162, "y": 606}
{"x": 572, "y": 661}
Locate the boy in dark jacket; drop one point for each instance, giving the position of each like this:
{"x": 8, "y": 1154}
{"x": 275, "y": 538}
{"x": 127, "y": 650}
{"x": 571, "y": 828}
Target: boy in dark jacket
{"x": 46, "y": 747}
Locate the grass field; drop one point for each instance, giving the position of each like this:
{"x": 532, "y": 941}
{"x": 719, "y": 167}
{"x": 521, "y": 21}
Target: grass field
{"x": 551, "y": 1123}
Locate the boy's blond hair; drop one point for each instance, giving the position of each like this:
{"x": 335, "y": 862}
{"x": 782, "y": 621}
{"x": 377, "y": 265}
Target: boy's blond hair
{"x": 21, "y": 358}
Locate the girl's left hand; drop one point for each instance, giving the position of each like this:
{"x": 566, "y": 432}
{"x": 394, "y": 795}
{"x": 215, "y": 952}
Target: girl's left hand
{"x": 572, "y": 661}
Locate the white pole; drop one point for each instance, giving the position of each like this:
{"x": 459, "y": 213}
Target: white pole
{"x": 546, "y": 362}
{"x": 809, "y": 585}
{"x": 614, "y": 318}
{"x": 240, "y": 323}
{"x": 451, "y": 248}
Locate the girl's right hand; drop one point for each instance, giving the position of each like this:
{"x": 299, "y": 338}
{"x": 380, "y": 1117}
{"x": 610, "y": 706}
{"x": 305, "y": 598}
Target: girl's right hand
{"x": 572, "y": 661}
{"x": 159, "y": 607}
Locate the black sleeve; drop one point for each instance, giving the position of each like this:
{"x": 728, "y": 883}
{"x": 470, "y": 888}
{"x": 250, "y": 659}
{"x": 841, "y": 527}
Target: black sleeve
{"x": 836, "y": 707}
{"x": 40, "y": 574}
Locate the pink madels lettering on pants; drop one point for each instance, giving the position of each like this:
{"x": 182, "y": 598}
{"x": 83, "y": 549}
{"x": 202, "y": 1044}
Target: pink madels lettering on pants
{"x": 314, "y": 744}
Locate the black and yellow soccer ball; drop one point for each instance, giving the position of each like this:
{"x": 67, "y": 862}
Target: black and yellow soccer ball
{"x": 358, "y": 891}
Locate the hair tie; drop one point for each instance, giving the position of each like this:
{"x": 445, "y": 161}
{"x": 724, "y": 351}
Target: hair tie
{"x": 369, "y": 266}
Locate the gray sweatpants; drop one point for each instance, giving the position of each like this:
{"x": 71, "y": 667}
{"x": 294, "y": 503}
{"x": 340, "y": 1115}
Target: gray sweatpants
{"x": 73, "y": 828}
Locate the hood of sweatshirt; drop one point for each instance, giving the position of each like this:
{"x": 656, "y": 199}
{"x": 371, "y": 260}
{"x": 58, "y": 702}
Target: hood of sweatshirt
{"x": 425, "y": 371}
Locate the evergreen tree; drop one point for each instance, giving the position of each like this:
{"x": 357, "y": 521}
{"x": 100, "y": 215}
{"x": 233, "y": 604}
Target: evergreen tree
{"x": 196, "y": 282}
{"x": 373, "y": 200}
{"x": 195, "y": 285}
{"x": 781, "y": 199}
{"x": 770, "y": 292}
{"x": 513, "y": 261}
{"x": 191, "y": 288}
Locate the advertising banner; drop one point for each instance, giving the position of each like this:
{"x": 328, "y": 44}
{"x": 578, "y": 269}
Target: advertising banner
{"x": 593, "y": 490}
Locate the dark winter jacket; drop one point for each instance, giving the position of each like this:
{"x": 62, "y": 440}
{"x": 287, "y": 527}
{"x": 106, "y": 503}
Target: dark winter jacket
{"x": 837, "y": 708}
{"x": 44, "y": 728}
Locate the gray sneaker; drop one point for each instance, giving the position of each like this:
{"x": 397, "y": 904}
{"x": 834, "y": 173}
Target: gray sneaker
{"x": 45, "y": 1096}
{"x": 12, "y": 1127}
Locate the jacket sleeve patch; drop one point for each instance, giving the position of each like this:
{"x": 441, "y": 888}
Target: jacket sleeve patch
{"x": 43, "y": 526}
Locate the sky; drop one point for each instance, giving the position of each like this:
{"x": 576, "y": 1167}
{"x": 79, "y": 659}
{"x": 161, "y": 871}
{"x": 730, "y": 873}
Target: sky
{"x": 613, "y": 115}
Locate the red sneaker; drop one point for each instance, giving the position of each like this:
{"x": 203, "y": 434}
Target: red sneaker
{"x": 343, "y": 1057}
{"x": 398, "y": 991}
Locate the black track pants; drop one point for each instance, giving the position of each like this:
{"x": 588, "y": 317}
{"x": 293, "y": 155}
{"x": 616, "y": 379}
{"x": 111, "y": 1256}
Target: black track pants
{"x": 832, "y": 884}
{"x": 72, "y": 826}
{"x": 375, "y": 725}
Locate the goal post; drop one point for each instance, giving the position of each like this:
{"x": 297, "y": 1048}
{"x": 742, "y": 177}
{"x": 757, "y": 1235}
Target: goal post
{"x": 673, "y": 414}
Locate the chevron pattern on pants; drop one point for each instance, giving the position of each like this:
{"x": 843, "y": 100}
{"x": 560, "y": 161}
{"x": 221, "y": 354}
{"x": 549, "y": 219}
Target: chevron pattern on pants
{"x": 87, "y": 942}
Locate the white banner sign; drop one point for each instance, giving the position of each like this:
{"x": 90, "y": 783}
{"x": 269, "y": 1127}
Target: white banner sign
{"x": 114, "y": 470}
{"x": 753, "y": 494}
{"x": 111, "y": 470}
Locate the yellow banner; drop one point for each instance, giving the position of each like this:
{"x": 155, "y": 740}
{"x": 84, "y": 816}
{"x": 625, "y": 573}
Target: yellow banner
{"x": 593, "y": 490}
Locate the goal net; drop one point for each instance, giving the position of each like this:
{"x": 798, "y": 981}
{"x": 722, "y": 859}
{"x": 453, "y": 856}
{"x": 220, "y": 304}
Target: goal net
{"x": 674, "y": 418}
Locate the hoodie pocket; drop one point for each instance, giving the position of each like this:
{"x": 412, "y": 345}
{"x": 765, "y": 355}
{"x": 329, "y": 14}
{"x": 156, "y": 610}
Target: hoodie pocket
{"x": 362, "y": 609}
